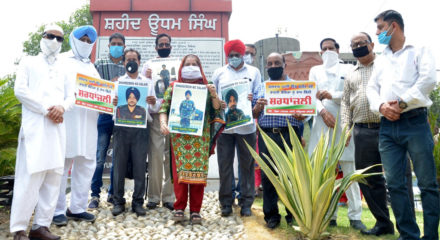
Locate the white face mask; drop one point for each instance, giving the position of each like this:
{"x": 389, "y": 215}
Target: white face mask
{"x": 247, "y": 58}
{"x": 191, "y": 72}
{"x": 330, "y": 58}
{"x": 82, "y": 50}
{"x": 50, "y": 48}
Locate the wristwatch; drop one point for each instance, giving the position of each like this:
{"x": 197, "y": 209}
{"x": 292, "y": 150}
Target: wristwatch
{"x": 402, "y": 104}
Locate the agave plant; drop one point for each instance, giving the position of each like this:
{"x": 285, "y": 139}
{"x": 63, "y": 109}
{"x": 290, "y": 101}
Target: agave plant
{"x": 307, "y": 185}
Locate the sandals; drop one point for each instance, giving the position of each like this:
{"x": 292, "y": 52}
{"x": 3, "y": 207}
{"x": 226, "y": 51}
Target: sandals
{"x": 195, "y": 218}
{"x": 178, "y": 216}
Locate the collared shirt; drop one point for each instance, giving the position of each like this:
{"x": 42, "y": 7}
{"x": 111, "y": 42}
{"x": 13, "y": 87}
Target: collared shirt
{"x": 271, "y": 121}
{"x": 227, "y": 73}
{"x": 408, "y": 74}
{"x": 354, "y": 106}
{"x": 151, "y": 108}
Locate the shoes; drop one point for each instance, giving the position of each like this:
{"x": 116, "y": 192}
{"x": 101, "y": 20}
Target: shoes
{"x": 357, "y": 224}
{"x": 195, "y": 218}
{"x": 20, "y": 235}
{"x": 169, "y": 205}
{"x": 84, "y": 216}
{"x": 333, "y": 223}
{"x": 42, "y": 233}
{"x": 59, "y": 220}
{"x": 272, "y": 224}
{"x": 94, "y": 203}
{"x": 118, "y": 209}
{"x": 151, "y": 205}
{"x": 139, "y": 210}
{"x": 226, "y": 211}
{"x": 379, "y": 231}
{"x": 179, "y": 216}
{"x": 110, "y": 199}
{"x": 245, "y": 212}
{"x": 290, "y": 221}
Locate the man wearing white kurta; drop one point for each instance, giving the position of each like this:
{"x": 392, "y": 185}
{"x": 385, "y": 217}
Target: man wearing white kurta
{"x": 81, "y": 133}
{"x": 329, "y": 78}
{"x": 45, "y": 94}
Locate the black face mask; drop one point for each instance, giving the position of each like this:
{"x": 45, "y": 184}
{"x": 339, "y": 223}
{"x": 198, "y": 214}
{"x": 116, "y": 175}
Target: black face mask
{"x": 131, "y": 67}
{"x": 361, "y": 52}
{"x": 275, "y": 73}
{"x": 164, "y": 52}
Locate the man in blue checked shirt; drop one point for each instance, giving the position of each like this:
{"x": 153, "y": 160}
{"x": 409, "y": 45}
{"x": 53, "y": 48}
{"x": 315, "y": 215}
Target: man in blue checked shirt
{"x": 274, "y": 127}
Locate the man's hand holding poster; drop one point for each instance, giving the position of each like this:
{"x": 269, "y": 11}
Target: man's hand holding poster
{"x": 238, "y": 110}
{"x": 94, "y": 94}
{"x": 290, "y": 97}
{"x": 132, "y": 106}
{"x": 188, "y": 106}
{"x": 164, "y": 71}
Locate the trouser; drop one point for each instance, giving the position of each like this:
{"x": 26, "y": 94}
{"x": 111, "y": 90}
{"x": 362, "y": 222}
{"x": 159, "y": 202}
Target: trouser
{"x": 182, "y": 189}
{"x": 105, "y": 130}
{"x": 81, "y": 177}
{"x": 159, "y": 165}
{"x": 270, "y": 196}
{"x": 366, "y": 154}
{"x": 353, "y": 194}
{"x": 37, "y": 191}
{"x": 129, "y": 142}
{"x": 412, "y": 134}
{"x": 226, "y": 151}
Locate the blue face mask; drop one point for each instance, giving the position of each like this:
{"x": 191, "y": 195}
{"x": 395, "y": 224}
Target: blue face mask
{"x": 116, "y": 51}
{"x": 235, "y": 61}
{"x": 383, "y": 38}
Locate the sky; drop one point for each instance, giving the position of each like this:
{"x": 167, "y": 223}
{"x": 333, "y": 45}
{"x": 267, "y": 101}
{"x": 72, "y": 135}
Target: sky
{"x": 251, "y": 20}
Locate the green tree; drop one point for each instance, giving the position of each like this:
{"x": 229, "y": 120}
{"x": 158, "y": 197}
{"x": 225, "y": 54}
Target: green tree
{"x": 80, "y": 17}
{"x": 435, "y": 107}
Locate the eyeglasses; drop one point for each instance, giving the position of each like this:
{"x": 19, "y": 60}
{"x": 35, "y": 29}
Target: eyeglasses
{"x": 252, "y": 54}
{"x": 359, "y": 44}
{"x": 51, "y": 36}
{"x": 161, "y": 45}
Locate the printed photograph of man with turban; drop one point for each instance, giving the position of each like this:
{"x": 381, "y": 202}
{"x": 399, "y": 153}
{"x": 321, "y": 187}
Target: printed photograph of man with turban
{"x": 131, "y": 111}
{"x": 186, "y": 109}
{"x": 233, "y": 114}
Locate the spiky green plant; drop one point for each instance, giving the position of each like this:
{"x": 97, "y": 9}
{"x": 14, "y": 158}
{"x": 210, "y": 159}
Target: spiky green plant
{"x": 308, "y": 186}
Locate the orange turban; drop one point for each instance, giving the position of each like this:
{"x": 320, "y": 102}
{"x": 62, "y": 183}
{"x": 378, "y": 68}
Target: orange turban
{"x": 235, "y": 45}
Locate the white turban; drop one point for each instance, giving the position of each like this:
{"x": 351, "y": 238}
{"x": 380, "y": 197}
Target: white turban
{"x": 53, "y": 27}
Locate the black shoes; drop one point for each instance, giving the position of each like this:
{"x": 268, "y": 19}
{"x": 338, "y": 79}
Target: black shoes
{"x": 379, "y": 231}
{"x": 168, "y": 205}
{"x": 245, "y": 212}
{"x": 333, "y": 223}
{"x": 118, "y": 209}
{"x": 151, "y": 205}
{"x": 139, "y": 210}
{"x": 272, "y": 224}
{"x": 226, "y": 211}
{"x": 357, "y": 224}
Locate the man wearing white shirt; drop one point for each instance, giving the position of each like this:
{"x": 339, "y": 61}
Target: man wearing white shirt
{"x": 45, "y": 94}
{"x": 399, "y": 88}
{"x": 329, "y": 78}
{"x": 229, "y": 140}
{"x": 81, "y": 133}
{"x": 132, "y": 143}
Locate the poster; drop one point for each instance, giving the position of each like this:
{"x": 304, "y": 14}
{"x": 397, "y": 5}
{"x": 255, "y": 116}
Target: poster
{"x": 164, "y": 71}
{"x": 187, "y": 111}
{"x": 132, "y": 106}
{"x": 290, "y": 97}
{"x": 94, "y": 93}
{"x": 238, "y": 110}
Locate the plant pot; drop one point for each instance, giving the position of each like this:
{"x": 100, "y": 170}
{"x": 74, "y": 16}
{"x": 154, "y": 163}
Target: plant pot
{"x": 6, "y": 190}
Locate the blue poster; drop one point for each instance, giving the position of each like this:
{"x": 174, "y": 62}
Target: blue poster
{"x": 131, "y": 110}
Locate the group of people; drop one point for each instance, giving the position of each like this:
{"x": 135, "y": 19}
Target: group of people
{"x": 384, "y": 98}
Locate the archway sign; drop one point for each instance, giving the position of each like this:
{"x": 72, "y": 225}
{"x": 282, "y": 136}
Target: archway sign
{"x": 196, "y": 26}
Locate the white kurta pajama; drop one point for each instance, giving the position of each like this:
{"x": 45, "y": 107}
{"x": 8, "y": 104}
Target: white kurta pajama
{"x": 41, "y": 145}
{"x": 82, "y": 135}
{"x": 332, "y": 80}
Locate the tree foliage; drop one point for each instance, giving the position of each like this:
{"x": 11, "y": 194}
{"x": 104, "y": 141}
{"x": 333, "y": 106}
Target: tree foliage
{"x": 80, "y": 17}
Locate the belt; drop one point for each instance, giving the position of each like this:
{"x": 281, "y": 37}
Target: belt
{"x": 414, "y": 112}
{"x": 275, "y": 130}
{"x": 368, "y": 125}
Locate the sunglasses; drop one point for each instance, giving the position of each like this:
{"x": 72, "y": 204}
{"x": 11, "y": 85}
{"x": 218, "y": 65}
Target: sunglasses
{"x": 51, "y": 36}
{"x": 161, "y": 45}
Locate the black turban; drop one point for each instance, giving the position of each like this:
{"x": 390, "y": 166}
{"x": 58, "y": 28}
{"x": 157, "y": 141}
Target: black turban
{"x": 230, "y": 93}
{"x": 133, "y": 90}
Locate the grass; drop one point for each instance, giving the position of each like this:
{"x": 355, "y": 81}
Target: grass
{"x": 343, "y": 230}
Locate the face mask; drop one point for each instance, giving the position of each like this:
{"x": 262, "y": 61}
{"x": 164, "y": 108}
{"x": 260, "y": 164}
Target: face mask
{"x": 116, "y": 51}
{"x": 383, "y": 38}
{"x": 164, "y": 52}
{"x": 330, "y": 58}
{"x": 191, "y": 72}
{"x": 275, "y": 73}
{"x": 235, "y": 61}
{"x": 361, "y": 51}
{"x": 50, "y": 48}
{"x": 131, "y": 67}
{"x": 81, "y": 50}
{"x": 248, "y": 59}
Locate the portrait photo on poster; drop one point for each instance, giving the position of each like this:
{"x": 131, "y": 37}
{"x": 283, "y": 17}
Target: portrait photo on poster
{"x": 164, "y": 71}
{"x": 132, "y": 106}
{"x": 238, "y": 110}
{"x": 187, "y": 112}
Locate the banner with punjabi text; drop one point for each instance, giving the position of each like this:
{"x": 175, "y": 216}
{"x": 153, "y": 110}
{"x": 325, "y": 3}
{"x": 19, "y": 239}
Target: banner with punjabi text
{"x": 94, "y": 93}
{"x": 290, "y": 97}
